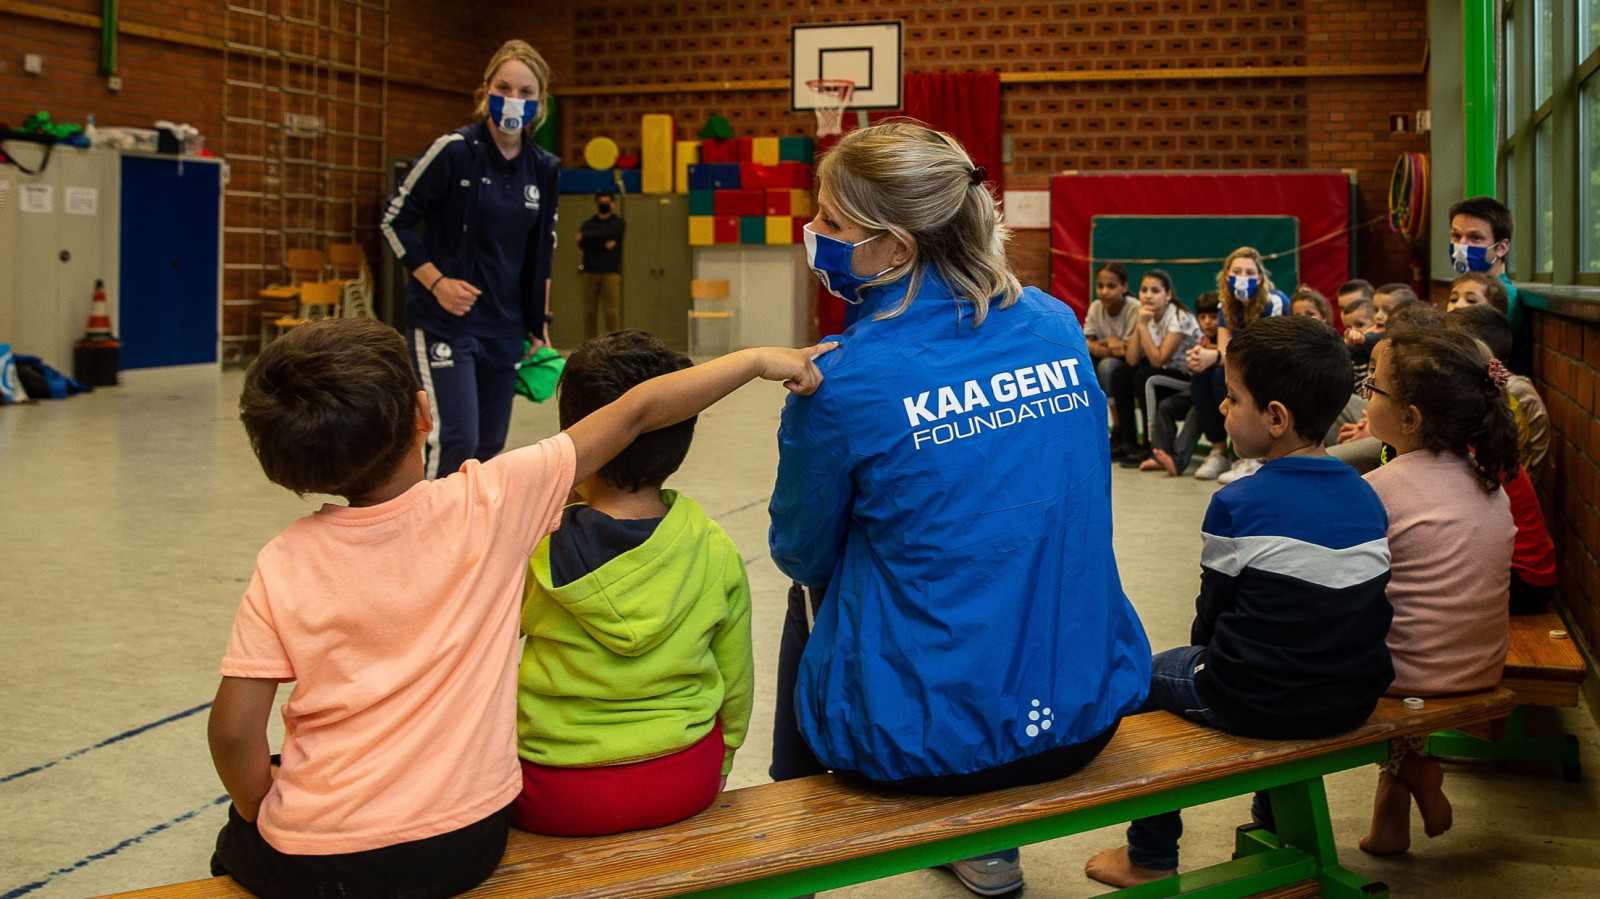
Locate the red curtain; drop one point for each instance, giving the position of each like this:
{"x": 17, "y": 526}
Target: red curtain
{"x": 966, "y": 105}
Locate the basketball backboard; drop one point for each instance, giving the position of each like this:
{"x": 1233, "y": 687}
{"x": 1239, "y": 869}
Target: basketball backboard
{"x": 868, "y": 54}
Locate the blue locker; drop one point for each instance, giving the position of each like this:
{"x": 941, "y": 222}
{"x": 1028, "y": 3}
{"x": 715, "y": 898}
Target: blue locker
{"x": 171, "y": 221}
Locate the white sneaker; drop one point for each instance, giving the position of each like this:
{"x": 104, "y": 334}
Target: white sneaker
{"x": 1243, "y": 468}
{"x": 1214, "y": 465}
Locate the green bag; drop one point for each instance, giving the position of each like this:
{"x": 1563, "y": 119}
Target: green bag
{"x": 537, "y": 377}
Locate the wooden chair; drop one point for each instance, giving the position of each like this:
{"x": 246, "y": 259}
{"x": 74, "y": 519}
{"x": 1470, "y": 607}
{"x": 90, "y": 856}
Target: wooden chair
{"x": 318, "y": 300}
{"x": 709, "y": 300}
{"x": 280, "y": 301}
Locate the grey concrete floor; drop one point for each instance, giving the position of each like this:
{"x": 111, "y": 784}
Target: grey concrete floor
{"x": 132, "y": 517}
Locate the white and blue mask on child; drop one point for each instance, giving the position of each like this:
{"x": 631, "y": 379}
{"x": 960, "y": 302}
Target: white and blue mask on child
{"x": 511, "y": 114}
{"x": 831, "y": 260}
{"x": 1244, "y": 288}
{"x": 1471, "y": 258}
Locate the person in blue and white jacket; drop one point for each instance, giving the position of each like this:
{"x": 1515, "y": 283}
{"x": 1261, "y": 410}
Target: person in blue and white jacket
{"x": 480, "y": 271}
{"x": 947, "y": 495}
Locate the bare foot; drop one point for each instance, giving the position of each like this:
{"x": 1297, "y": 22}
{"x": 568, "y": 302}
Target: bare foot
{"x": 1426, "y": 779}
{"x": 1112, "y": 866}
{"x": 1165, "y": 461}
{"x": 1391, "y": 818}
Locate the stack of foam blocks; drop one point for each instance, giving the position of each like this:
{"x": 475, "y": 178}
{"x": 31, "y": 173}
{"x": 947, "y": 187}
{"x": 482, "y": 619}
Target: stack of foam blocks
{"x": 746, "y": 190}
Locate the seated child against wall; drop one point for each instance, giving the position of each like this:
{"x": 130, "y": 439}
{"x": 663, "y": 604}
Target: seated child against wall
{"x": 1176, "y": 429}
{"x": 636, "y": 676}
{"x": 1288, "y": 636}
{"x": 1163, "y": 336}
{"x": 396, "y": 617}
{"x": 1435, "y": 396}
{"x": 1309, "y": 301}
{"x": 1108, "y": 328}
{"x": 1533, "y": 558}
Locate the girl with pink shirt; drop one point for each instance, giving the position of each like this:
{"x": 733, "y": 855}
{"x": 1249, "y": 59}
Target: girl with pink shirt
{"x": 1435, "y": 396}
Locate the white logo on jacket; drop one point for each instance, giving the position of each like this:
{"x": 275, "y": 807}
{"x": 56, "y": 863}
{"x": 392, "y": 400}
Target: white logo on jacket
{"x": 441, "y": 356}
{"x": 1039, "y": 719}
{"x": 530, "y": 196}
{"x": 1009, "y": 392}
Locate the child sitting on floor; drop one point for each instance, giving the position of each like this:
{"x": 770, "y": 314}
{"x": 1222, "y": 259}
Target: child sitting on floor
{"x": 1435, "y": 397}
{"x": 396, "y": 617}
{"x": 1164, "y": 334}
{"x": 1108, "y": 327}
{"x": 1288, "y": 636}
{"x": 636, "y": 675}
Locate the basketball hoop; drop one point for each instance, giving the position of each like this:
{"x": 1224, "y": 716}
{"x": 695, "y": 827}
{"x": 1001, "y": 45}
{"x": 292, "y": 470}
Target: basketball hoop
{"x": 831, "y": 95}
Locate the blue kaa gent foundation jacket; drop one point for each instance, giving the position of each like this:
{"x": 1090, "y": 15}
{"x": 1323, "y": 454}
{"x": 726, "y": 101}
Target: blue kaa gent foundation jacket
{"x": 951, "y": 487}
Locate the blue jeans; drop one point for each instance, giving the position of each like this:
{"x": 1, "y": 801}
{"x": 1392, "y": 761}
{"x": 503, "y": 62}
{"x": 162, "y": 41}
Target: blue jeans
{"x": 1207, "y": 389}
{"x": 1153, "y": 841}
{"x": 1104, "y": 369}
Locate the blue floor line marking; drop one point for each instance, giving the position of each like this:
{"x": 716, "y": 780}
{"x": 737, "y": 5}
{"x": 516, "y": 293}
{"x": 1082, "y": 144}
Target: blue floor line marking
{"x": 104, "y": 743}
{"x": 107, "y": 853}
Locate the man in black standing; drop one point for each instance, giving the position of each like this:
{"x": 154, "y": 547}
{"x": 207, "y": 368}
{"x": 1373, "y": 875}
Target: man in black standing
{"x": 600, "y": 239}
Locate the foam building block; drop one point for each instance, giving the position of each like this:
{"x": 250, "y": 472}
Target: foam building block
{"x": 754, "y": 174}
{"x": 702, "y": 231}
{"x": 631, "y": 182}
{"x": 740, "y": 202}
{"x": 726, "y": 228}
{"x": 725, "y": 176}
{"x": 702, "y": 202}
{"x": 742, "y": 149}
{"x": 799, "y": 226}
{"x": 780, "y": 229}
{"x": 764, "y": 150}
{"x": 586, "y": 181}
{"x": 794, "y": 174}
{"x": 779, "y": 201}
{"x": 714, "y": 151}
{"x": 688, "y": 153}
{"x": 796, "y": 149}
{"x": 699, "y": 177}
{"x": 655, "y": 153}
{"x": 801, "y": 203}
{"x": 753, "y": 229}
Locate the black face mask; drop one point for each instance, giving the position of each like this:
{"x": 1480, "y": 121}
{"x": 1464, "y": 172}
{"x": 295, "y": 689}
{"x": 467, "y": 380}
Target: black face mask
{"x": 605, "y": 208}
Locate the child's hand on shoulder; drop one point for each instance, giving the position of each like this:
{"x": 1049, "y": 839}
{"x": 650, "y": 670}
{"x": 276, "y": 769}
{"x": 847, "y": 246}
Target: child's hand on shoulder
{"x": 797, "y": 369}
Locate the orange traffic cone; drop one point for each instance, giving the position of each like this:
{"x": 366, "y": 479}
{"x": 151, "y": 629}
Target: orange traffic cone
{"x": 99, "y": 319}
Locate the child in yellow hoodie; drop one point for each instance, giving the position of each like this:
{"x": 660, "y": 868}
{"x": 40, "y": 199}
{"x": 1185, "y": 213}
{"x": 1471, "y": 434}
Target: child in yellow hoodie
{"x": 636, "y": 678}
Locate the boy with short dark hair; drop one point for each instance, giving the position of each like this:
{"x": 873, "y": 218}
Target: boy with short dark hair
{"x": 636, "y": 679}
{"x": 1288, "y": 640}
{"x": 396, "y": 617}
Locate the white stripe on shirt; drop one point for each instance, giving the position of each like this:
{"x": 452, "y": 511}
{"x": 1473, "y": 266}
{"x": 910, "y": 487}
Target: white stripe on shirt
{"x": 1310, "y": 562}
{"x": 400, "y": 194}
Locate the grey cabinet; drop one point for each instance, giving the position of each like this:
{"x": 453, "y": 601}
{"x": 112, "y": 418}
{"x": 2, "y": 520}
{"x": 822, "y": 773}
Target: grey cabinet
{"x": 656, "y": 268}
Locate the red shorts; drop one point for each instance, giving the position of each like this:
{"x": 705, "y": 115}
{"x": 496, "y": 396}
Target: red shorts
{"x": 591, "y": 802}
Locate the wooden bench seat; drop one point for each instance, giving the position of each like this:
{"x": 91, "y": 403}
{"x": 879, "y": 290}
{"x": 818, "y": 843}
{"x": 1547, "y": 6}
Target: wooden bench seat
{"x": 1542, "y": 671}
{"x": 823, "y": 832}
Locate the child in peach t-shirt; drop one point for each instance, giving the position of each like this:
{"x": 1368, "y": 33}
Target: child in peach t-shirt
{"x": 396, "y": 617}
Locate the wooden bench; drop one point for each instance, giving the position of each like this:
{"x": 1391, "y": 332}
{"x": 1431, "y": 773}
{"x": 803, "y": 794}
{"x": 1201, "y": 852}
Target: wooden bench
{"x": 1542, "y": 671}
{"x": 823, "y": 832}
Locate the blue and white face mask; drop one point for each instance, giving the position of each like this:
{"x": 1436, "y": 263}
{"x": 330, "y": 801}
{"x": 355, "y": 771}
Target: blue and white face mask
{"x": 830, "y": 259}
{"x": 511, "y": 114}
{"x": 1470, "y": 258}
{"x": 1243, "y": 288}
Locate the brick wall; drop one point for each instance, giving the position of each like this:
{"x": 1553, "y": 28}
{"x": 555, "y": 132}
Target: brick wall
{"x": 1566, "y": 366}
{"x": 1193, "y": 124}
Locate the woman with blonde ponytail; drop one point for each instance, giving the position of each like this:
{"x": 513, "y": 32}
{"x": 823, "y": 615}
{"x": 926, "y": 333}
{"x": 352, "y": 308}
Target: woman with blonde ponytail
{"x": 945, "y": 500}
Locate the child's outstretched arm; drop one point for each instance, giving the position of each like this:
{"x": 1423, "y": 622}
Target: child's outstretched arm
{"x": 237, "y": 732}
{"x": 671, "y": 398}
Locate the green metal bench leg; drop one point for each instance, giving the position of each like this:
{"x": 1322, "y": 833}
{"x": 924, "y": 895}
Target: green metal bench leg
{"x": 1515, "y": 746}
{"x": 1301, "y": 812}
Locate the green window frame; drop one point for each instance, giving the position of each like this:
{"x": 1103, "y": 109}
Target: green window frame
{"x": 1550, "y": 156}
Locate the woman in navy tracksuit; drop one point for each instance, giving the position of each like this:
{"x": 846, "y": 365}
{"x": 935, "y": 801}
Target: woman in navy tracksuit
{"x": 947, "y": 493}
{"x": 480, "y": 272}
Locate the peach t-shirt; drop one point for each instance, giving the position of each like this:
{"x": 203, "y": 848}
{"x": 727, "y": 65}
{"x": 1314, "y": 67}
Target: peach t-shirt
{"x": 1450, "y": 574}
{"x": 398, "y": 623}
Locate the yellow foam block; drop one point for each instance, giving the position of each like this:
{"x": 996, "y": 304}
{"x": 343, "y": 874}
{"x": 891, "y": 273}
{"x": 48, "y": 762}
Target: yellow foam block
{"x": 780, "y": 229}
{"x": 801, "y": 204}
{"x": 764, "y": 150}
{"x": 688, "y": 154}
{"x": 655, "y": 157}
{"x": 702, "y": 231}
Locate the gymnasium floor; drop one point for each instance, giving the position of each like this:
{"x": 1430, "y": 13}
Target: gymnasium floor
{"x": 132, "y": 519}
